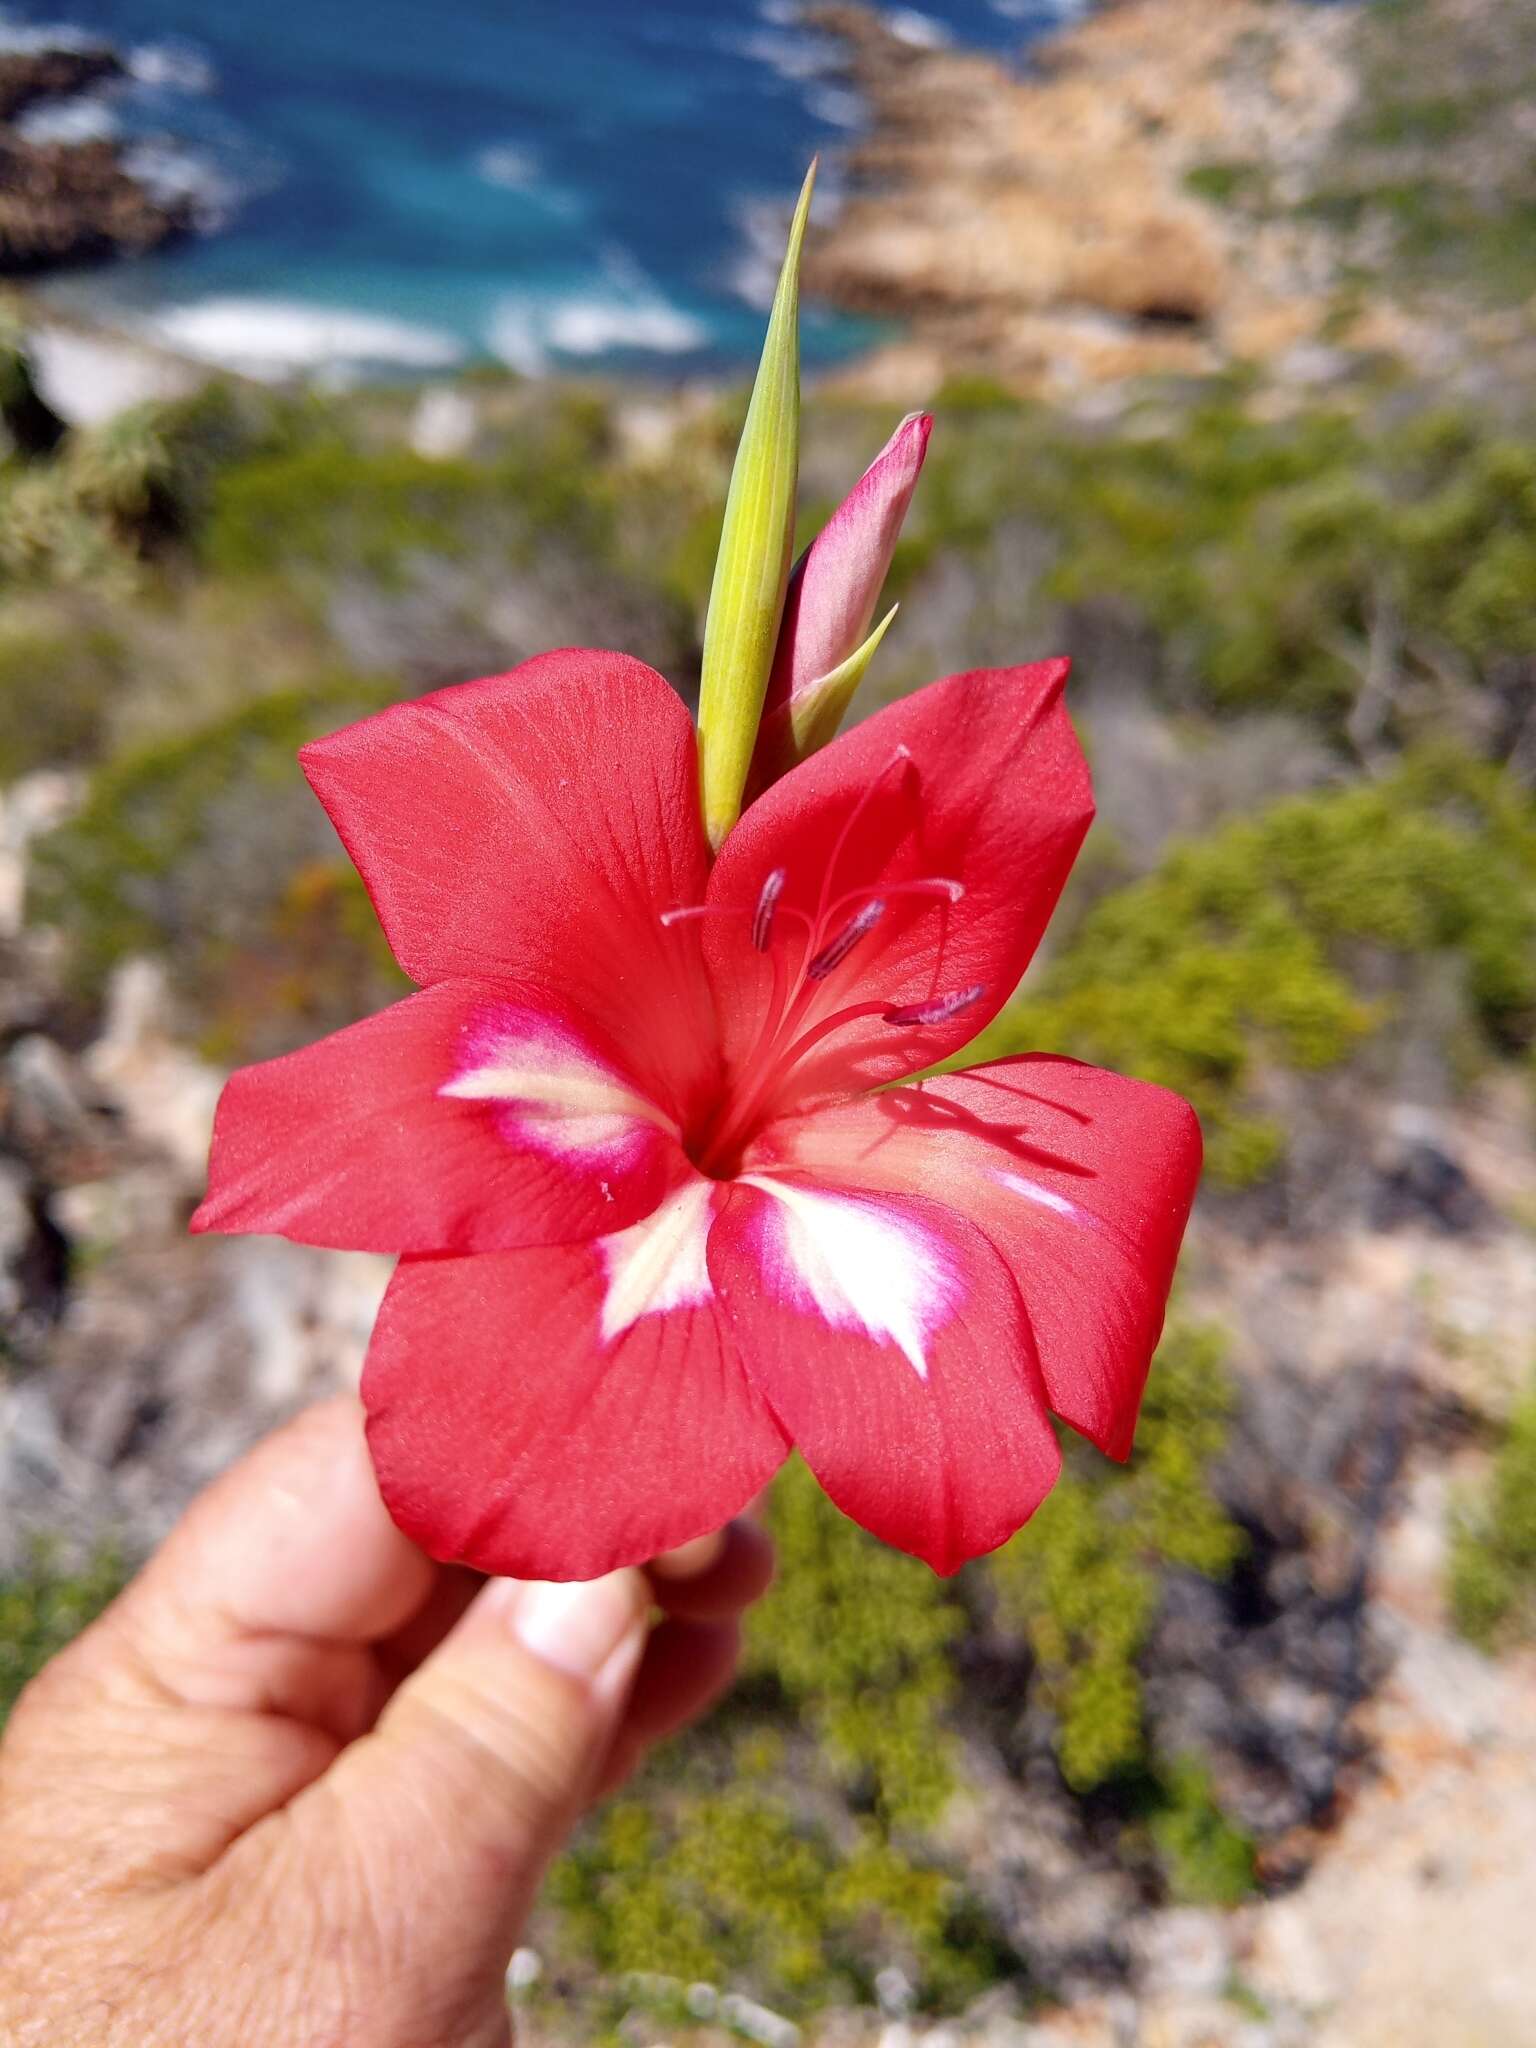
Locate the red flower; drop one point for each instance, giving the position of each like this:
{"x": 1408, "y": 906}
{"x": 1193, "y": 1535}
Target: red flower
{"x": 661, "y": 1214}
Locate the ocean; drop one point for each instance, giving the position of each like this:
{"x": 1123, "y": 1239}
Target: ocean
{"x": 392, "y": 185}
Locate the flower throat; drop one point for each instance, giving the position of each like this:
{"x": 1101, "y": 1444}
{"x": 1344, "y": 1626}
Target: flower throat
{"x": 802, "y": 961}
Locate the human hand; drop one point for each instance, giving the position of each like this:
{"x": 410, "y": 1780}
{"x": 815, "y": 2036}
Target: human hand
{"x": 297, "y": 1787}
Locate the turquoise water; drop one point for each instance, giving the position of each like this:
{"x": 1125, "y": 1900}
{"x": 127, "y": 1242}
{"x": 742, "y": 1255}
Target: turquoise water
{"x": 392, "y": 182}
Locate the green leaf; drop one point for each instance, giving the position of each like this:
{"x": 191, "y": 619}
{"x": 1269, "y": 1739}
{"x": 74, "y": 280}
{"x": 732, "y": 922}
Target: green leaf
{"x": 746, "y": 600}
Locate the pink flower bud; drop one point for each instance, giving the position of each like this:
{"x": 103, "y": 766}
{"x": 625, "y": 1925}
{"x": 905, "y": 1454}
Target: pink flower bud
{"x": 837, "y": 581}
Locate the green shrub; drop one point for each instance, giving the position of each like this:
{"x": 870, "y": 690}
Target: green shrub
{"x": 210, "y": 850}
{"x": 1224, "y": 181}
{"x": 328, "y": 507}
{"x": 1206, "y": 1860}
{"x": 1261, "y": 554}
{"x": 743, "y": 1887}
{"x": 1492, "y": 1577}
{"x": 854, "y": 1640}
{"x": 56, "y": 687}
{"x": 788, "y": 1857}
{"x": 791, "y": 1851}
{"x": 1079, "y": 1585}
{"x": 1243, "y": 948}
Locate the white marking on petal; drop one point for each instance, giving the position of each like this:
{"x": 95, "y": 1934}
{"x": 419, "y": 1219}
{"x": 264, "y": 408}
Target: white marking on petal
{"x": 1047, "y": 1198}
{"x": 658, "y": 1263}
{"x": 558, "y": 1095}
{"x": 860, "y": 1264}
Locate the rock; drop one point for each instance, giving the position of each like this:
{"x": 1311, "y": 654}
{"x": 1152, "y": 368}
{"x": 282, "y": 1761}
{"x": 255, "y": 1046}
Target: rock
{"x": 1414, "y": 1930}
{"x": 72, "y": 202}
{"x": 893, "y": 1988}
{"x": 1041, "y": 228}
{"x": 165, "y": 1094}
{"x": 33, "y": 1261}
{"x": 86, "y": 378}
{"x": 1185, "y": 1952}
{"x": 28, "y": 809}
{"x": 171, "y": 1358}
{"x": 525, "y": 1969}
{"x": 443, "y": 424}
{"x": 30, "y": 75}
{"x": 1422, "y": 1183}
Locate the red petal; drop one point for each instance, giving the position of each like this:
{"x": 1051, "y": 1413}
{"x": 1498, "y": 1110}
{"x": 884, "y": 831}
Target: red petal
{"x": 534, "y": 825}
{"x": 1082, "y": 1180}
{"x": 977, "y": 780}
{"x": 509, "y": 1433}
{"x": 890, "y": 1341}
{"x": 466, "y": 1118}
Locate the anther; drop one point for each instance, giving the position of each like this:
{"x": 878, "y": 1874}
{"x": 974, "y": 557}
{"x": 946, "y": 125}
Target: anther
{"x": 940, "y": 1010}
{"x": 767, "y": 903}
{"x": 837, "y": 950}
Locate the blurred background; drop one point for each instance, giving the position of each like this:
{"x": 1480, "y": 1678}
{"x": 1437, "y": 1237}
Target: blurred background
{"x": 349, "y": 351}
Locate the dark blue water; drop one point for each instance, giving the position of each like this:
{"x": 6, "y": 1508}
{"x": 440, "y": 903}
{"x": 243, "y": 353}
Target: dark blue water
{"x": 598, "y": 181}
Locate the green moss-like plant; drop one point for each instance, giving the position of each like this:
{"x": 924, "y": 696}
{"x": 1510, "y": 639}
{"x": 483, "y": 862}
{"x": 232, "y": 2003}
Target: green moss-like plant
{"x": 1206, "y": 1859}
{"x": 855, "y": 1637}
{"x": 42, "y": 1608}
{"x": 56, "y": 688}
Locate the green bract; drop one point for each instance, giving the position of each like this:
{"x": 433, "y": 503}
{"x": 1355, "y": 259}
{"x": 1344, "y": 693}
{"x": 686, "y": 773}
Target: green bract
{"x": 746, "y": 600}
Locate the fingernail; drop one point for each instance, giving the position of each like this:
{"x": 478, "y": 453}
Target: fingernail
{"x": 577, "y": 1626}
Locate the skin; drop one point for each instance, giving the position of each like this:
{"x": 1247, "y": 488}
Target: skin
{"x": 297, "y": 1787}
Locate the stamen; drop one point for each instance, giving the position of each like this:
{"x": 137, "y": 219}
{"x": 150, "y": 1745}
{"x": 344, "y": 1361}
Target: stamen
{"x": 940, "y": 1010}
{"x": 837, "y": 951}
{"x": 938, "y": 886}
{"x": 669, "y": 918}
{"x": 897, "y": 759}
{"x": 767, "y": 903}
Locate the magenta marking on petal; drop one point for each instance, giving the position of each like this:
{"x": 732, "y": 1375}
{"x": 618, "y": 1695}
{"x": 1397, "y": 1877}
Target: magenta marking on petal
{"x": 547, "y": 1089}
{"x": 858, "y": 1263}
{"x": 658, "y": 1264}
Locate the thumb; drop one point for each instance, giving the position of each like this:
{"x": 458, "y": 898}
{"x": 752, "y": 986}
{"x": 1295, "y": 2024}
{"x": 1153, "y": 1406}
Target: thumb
{"x": 476, "y": 1772}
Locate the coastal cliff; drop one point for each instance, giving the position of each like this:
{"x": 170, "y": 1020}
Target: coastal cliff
{"x": 64, "y": 203}
{"x": 1174, "y": 186}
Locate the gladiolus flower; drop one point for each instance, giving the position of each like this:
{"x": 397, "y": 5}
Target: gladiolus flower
{"x": 667, "y": 1197}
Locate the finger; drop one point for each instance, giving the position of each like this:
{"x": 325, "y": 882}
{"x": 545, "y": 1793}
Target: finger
{"x": 292, "y": 1542}
{"x": 449, "y": 1811}
{"x": 400, "y": 1654}
{"x": 227, "y": 1676}
{"x": 686, "y": 1667}
{"x": 738, "y": 1572}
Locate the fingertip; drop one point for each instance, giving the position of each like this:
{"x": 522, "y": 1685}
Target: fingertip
{"x": 739, "y": 1573}
{"x": 686, "y": 1668}
{"x": 690, "y": 1560}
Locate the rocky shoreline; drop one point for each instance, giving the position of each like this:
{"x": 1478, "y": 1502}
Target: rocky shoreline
{"x": 1175, "y": 188}
{"x": 72, "y": 203}
{"x": 1047, "y": 227}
